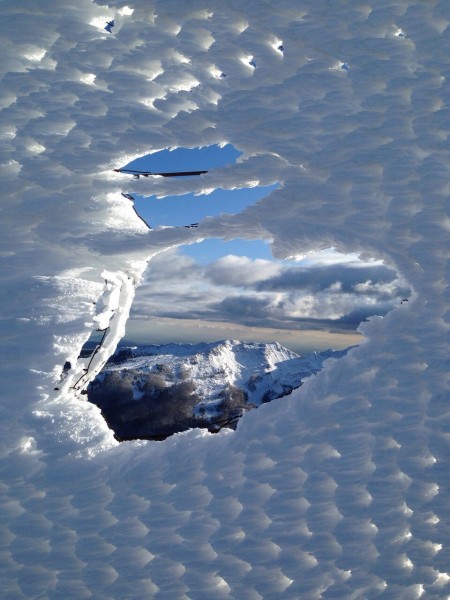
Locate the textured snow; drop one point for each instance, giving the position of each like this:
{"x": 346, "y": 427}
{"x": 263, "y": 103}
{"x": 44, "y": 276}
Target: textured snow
{"x": 344, "y": 492}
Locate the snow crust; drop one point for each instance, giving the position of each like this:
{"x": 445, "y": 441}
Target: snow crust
{"x": 345, "y": 491}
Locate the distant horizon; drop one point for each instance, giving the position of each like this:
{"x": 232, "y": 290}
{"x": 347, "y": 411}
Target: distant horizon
{"x": 313, "y": 341}
{"x": 302, "y": 351}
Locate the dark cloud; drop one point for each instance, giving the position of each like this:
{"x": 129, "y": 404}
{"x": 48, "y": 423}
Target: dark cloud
{"x": 265, "y": 312}
{"x": 248, "y": 308}
{"x": 317, "y": 279}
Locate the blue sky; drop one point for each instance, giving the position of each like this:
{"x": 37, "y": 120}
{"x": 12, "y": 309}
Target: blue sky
{"x": 188, "y": 208}
{"x": 213, "y": 249}
{"x": 187, "y": 159}
{"x": 182, "y": 210}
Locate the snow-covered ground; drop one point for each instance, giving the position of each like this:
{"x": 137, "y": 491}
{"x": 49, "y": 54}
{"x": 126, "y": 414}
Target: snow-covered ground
{"x": 344, "y": 492}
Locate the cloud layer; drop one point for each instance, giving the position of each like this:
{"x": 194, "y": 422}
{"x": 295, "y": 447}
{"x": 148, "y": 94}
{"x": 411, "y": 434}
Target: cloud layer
{"x": 267, "y": 294}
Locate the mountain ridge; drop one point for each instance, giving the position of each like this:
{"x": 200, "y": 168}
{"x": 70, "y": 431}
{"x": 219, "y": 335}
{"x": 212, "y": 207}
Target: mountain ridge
{"x": 201, "y": 385}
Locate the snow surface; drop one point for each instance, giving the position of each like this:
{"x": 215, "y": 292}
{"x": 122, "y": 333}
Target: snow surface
{"x": 345, "y": 492}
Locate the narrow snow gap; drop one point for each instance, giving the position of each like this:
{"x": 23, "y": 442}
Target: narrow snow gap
{"x": 222, "y": 189}
{"x": 190, "y": 209}
{"x": 186, "y": 159}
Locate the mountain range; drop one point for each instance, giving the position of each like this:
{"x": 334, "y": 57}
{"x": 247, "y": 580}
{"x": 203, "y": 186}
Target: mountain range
{"x": 153, "y": 391}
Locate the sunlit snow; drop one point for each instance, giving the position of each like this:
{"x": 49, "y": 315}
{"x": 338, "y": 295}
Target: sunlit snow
{"x": 344, "y": 493}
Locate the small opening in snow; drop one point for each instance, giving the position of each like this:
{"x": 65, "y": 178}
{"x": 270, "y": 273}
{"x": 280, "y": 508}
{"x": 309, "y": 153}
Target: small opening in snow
{"x": 171, "y": 160}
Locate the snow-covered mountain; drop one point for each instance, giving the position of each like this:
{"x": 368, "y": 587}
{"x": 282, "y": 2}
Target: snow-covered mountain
{"x": 155, "y": 390}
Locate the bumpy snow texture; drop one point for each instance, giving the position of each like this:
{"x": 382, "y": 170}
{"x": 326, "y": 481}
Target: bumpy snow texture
{"x": 341, "y": 491}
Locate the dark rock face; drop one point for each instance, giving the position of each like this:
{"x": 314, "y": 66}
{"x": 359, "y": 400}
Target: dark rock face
{"x": 161, "y": 410}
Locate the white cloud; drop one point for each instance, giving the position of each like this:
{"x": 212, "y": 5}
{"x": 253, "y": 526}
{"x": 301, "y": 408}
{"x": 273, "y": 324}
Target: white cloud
{"x": 330, "y": 257}
{"x": 241, "y": 270}
{"x": 266, "y": 294}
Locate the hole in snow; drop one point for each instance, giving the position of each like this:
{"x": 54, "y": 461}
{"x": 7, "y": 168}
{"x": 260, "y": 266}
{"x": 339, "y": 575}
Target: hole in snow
{"x": 36, "y": 55}
{"x": 248, "y": 61}
{"x": 171, "y": 374}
